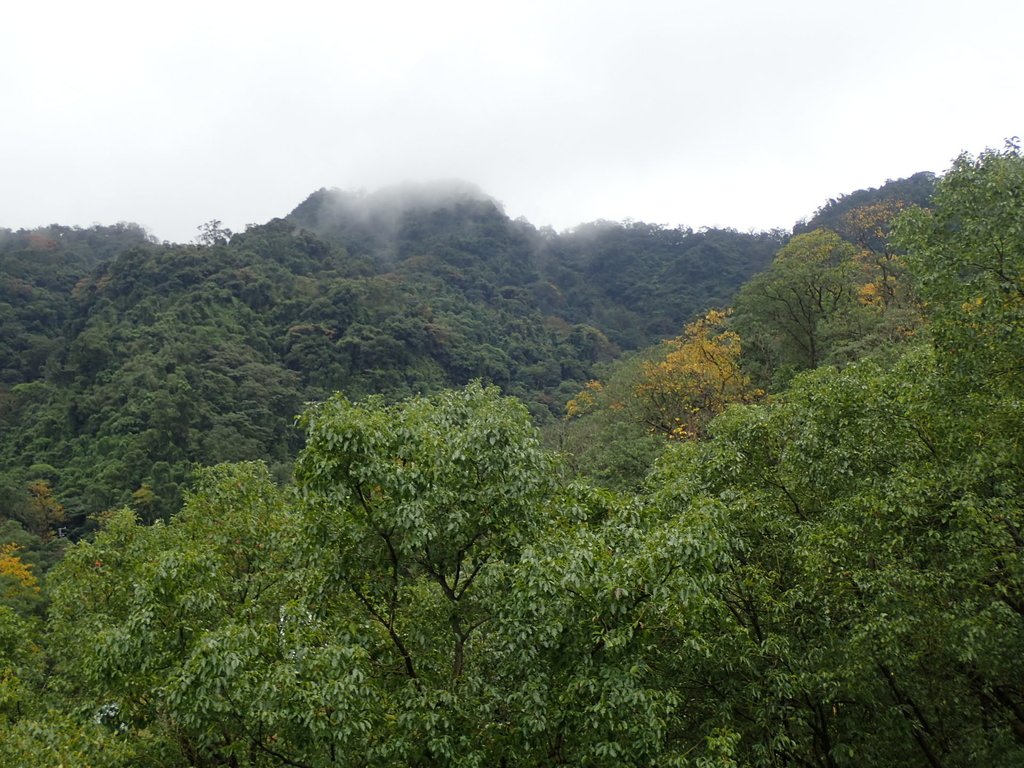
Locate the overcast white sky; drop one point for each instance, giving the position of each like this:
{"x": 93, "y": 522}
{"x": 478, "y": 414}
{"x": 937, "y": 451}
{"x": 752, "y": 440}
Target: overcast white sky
{"x": 748, "y": 114}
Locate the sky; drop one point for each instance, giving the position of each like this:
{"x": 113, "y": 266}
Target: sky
{"x": 746, "y": 114}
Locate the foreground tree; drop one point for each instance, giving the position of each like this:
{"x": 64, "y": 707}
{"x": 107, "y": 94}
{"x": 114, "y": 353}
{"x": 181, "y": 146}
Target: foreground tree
{"x": 351, "y": 624}
{"x": 178, "y": 634}
{"x": 411, "y": 513}
{"x": 968, "y": 255}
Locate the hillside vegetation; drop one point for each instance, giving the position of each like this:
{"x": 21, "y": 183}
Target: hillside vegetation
{"x": 129, "y": 363}
{"x": 788, "y": 534}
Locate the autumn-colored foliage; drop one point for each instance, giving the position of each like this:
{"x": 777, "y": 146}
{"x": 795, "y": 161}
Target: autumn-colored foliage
{"x": 698, "y": 376}
{"x": 16, "y": 571}
{"x": 585, "y": 400}
{"x": 869, "y": 225}
{"x": 881, "y": 268}
{"x": 688, "y": 381}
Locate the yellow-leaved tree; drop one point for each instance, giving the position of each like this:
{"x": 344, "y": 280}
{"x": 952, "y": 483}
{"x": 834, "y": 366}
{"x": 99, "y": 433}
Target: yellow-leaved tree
{"x": 616, "y": 427}
{"x": 19, "y": 588}
{"x": 12, "y": 567}
{"x": 694, "y": 380}
{"x": 882, "y": 273}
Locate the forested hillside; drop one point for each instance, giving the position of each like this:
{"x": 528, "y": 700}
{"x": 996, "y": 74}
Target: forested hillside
{"x": 129, "y": 363}
{"x": 784, "y": 528}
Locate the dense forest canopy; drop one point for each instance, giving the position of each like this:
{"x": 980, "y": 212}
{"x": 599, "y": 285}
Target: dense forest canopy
{"x": 129, "y": 363}
{"x": 785, "y": 533}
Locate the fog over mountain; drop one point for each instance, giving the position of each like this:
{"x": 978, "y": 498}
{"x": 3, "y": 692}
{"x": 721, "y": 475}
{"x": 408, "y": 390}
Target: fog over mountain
{"x": 381, "y": 210}
{"x": 742, "y": 115}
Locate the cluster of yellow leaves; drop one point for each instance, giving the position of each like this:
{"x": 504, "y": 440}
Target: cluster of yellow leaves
{"x": 690, "y": 380}
{"x": 698, "y": 377}
{"x": 871, "y": 294}
{"x": 883, "y": 283}
{"x": 880, "y": 269}
{"x": 973, "y": 305}
{"x": 585, "y": 400}
{"x": 12, "y": 566}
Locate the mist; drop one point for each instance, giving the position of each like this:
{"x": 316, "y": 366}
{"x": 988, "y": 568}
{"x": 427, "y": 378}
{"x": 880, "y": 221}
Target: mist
{"x": 740, "y": 115}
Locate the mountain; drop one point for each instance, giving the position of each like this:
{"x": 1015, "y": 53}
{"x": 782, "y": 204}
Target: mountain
{"x": 634, "y": 282}
{"x": 127, "y": 363}
{"x": 895, "y": 193}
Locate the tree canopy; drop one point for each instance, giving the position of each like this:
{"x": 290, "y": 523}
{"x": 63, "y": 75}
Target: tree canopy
{"x": 828, "y": 575}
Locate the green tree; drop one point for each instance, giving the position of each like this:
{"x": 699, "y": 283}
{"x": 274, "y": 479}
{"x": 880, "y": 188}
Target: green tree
{"x": 968, "y": 257}
{"x": 180, "y": 634}
{"x": 791, "y": 314}
{"x": 353, "y": 623}
{"x": 213, "y": 233}
{"x": 601, "y": 435}
{"x": 860, "y": 606}
{"x": 413, "y": 511}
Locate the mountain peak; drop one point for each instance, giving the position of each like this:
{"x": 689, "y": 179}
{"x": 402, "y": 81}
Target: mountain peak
{"x": 385, "y": 204}
{"x": 369, "y": 220}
